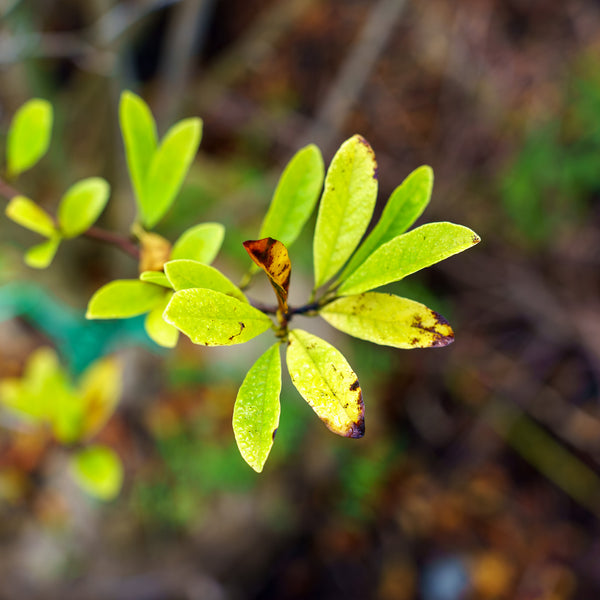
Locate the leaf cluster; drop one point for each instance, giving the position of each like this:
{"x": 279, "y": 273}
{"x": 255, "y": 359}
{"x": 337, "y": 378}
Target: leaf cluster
{"x": 27, "y": 141}
{"x": 74, "y": 413}
{"x": 179, "y": 290}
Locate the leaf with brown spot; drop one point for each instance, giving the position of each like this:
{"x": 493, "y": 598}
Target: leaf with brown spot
{"x": 388, "y": 320}
{"x": 214, "y": 319}
{"x": 346, "y": 207}
{"x": 327, "y": 382}
{"x": 272, "y": 257}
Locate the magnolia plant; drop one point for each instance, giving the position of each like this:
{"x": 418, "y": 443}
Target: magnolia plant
{"x": 179, "y": 290}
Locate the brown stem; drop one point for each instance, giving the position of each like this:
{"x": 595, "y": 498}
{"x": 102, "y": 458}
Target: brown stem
{"x": 7, "y": 190}
{"x": 109, "y": 237}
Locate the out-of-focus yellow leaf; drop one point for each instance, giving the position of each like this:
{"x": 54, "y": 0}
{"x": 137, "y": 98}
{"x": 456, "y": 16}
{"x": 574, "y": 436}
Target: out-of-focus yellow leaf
{"x": 98, "y": 470}
{"x": 100, "y": 390}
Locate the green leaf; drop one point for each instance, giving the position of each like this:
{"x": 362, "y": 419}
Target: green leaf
{"x": 28, "y": 136}
{"x": 81, "y": 205}
{"x": 295, "y": 196}
{"x": 168, "y": 169}
{"x": 65, "y": 413}
{"x": 28, "y": 214}
{"x": 41, "y": 255}
{"x": 327, "y": 382}
{"x": 404, "y": 207}
{"x": 388, "y": 320}
{"x": 408, "y": 253}
{"x": 155, "y": 277}
{"x": 346, "y": 207}
{"x": 124, "y": 298}
{"x": 188, "y": 274}
{"x": 140, "y": 139}
{"x": 158, "y": 329}
{"x": 257, "y": 409}
{"x": 99, "y": 390}
{"x": 201, "y": 242}
{"x": 214, "y": 319}
{"x": 98, "y": 471}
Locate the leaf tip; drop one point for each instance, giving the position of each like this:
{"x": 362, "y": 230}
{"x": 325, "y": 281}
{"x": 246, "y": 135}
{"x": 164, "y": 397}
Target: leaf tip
{"x": 257, "y": 467}
{"x": 361, "y": 140}
{"x": 357, "y": 430}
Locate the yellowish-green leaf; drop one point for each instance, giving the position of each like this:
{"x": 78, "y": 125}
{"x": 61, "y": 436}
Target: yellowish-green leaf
{"x": 42, "y": 381}
{"x": 168, "y": 169}
{"x": 272, "y": 257}
{"x": 188, "y": 274}
{"x": 12, "y": 394}
{"x": 28, "y": 214}
{"x": 408, "y": 253}
{"x": 98, "y": 471}
{"x": 404, "y": 207}
{"x": 257, "y": 408}
{"x": 81, "y": 205}
{"x": 28, "y": 136}
{"x": 201, "y": 242}
{"x": 99, "y": 390}
{"x": 140, "y": 139}
{"x": 346, "y": 207}
{"x": 295, "y": 196}
{"x": 124, "y": 298}
{"x": 214, "y": 319}
{"x": 327, "y": 382}
{"x": 388, "y": 320}
{"x": 45, "y": 393}
{"x": 41, "y": 366}
{"x": 41, "y": 255}
{"x": 158, "y": 329}
{"x": 66, "y": 416}
{"x": 155, "y": 277}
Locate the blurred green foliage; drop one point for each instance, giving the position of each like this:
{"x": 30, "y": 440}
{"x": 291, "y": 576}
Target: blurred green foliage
{"x": 555, "y": 175}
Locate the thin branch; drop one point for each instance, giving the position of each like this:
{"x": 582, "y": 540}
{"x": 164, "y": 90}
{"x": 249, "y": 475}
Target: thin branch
{"x": 116, "y": 239}
{"x": 95, "y": 233}
{"x": 8, "y": 191}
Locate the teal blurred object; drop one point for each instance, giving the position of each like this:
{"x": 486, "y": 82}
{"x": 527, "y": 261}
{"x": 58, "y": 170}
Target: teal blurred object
{"x": 79, "y": 341}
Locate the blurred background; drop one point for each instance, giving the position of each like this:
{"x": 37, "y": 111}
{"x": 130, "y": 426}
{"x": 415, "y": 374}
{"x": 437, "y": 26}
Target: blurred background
{"x": 479, "y": 474}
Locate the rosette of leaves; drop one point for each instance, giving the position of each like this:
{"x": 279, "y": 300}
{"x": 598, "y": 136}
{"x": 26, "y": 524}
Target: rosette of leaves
{"x": 211, "y": 312}
{"x": 151, "y": 292}
{"x": 28, "y": 139}
{"x": 46, "y": 397}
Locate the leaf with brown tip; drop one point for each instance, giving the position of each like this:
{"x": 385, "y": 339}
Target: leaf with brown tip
{"x": 327, "y": 382}
{"x": 272, "y": 257}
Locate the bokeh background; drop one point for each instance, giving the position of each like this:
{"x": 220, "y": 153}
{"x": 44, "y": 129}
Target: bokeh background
{"x": 479, "y": 475}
